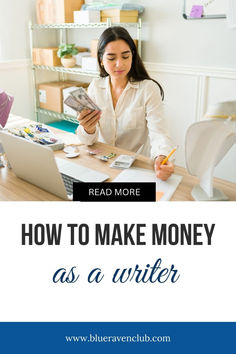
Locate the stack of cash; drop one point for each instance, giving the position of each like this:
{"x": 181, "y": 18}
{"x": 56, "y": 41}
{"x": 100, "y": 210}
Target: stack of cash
{"x": 79, "y": 100}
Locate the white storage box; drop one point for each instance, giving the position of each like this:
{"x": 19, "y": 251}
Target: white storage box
{"x": 90, "y": 64}
{"x": 84, "y": 17}
{"x": 79, "y": 57}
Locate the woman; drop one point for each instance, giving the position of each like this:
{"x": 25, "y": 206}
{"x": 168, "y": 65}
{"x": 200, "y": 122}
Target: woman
{"x": 130, "y": 102}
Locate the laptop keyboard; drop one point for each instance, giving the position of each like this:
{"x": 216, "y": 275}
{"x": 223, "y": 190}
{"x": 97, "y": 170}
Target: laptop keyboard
{"x": 68, "y": 182}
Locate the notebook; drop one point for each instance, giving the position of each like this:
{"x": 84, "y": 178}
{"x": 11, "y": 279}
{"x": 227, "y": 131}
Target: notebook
{"x": 164, "y": 189}
{"x": 37, "y": 164}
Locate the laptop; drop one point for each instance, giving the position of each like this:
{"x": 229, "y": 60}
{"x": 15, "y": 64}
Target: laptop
{"x": 37, "y": 164}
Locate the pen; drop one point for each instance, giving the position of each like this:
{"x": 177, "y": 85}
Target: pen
{"x": 167, "y": 157}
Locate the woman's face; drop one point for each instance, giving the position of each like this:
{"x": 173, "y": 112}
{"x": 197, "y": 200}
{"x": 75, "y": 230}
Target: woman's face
{"x": 117, "y": 59}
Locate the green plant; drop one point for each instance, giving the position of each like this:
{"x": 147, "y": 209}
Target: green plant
{"x": 66, "y": 50}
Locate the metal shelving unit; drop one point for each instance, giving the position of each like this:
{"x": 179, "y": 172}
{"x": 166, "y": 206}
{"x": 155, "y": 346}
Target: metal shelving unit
{"x": 60, "y": 116}
{"x": 75, "y": 70}
{"x": 89, "y": 25}
{"x": 60, "y": 69}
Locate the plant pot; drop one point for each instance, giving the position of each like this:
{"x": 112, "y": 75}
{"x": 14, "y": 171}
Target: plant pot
{"x": 68, "y": 62}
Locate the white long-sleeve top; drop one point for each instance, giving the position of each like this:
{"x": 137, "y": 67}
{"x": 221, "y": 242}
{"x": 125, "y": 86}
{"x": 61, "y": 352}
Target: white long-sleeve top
{"x": 137, "y": 118}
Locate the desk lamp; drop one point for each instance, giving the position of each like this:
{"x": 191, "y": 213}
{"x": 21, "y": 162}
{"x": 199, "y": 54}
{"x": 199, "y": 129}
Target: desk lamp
{"x": 5, "y": 107}
{"x": 206, "y": 143}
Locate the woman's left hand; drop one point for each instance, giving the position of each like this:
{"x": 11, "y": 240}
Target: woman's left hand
{"x": 163, "y": 171}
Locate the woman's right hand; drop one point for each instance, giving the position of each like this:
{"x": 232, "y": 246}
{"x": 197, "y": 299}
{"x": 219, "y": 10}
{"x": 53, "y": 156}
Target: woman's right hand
{"x": 88, "y": 119}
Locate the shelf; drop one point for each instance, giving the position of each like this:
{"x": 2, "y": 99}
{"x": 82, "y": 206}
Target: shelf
{"x": 89, "y": 25}
{"x": 75, "y": 70}
{"x": 56, "y": 115}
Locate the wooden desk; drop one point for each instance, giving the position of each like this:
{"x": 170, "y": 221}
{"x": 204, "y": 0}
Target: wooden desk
{"x": 15, "y": 189}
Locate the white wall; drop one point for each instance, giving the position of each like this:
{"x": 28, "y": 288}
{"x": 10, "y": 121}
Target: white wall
{"x": 15, "y": 72}
{"x": 193, "y": 60}
{"x": 169, "y": 38}
{"x": 16, "y": 79}
{"x": 15, "y": 75}
{"x": 14, "y": 18}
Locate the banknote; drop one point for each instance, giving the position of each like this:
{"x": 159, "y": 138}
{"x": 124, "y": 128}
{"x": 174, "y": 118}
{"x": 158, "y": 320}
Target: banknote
{"x": 79, "y": 100}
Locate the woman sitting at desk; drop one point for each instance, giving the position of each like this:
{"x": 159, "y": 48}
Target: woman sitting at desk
{"x": 130, "y": 102}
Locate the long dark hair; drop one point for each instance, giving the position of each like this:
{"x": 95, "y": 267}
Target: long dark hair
{"x": 137, "y": 71}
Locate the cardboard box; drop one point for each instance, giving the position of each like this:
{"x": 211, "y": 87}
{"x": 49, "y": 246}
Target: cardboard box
{"x": 51, "y": 94}
{"x": 84, "y": 17}
{"x": 46, "y": 56}
{"x": 57, "y": 11}
{"x": 136, "y": 42}
{"x": 82, "y": 49}
{"x": 94, "y": 46}
{"x": 118, "y": 16}
{"x": 90, "y": 64}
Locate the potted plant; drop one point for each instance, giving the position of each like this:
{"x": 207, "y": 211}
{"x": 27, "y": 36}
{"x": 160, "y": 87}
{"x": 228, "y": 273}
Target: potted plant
{"x": 66, "y": 52}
